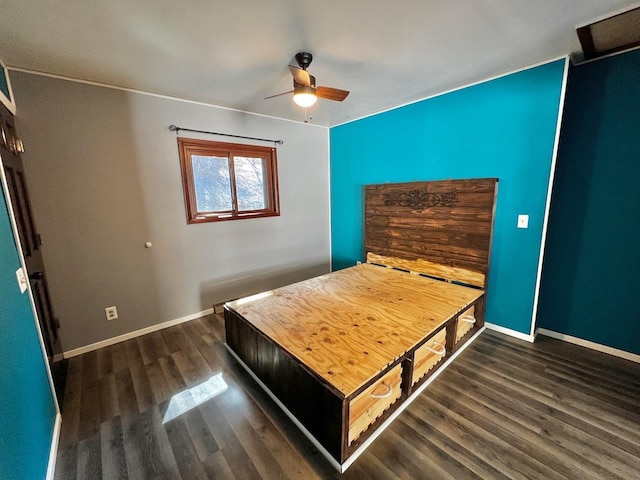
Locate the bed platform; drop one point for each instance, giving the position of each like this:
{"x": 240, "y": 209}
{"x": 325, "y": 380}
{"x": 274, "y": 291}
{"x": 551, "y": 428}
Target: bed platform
{"x": 343, "y": 352}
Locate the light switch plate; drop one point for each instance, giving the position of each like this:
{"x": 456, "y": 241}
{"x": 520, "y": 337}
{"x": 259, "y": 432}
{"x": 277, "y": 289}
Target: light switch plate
{"x": 22, "y": 280}
{"x": 523, "y": 221}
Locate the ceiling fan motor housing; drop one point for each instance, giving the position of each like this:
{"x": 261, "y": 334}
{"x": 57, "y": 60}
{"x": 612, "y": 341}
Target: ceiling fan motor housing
{"x": 304, "y": 59}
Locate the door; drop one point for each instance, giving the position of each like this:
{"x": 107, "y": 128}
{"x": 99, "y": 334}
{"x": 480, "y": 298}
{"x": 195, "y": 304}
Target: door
{"x": 10, "y": 147}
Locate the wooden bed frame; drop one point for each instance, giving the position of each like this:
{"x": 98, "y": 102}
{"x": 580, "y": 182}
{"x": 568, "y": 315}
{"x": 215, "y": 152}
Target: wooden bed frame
{"x": 345, "y": 352}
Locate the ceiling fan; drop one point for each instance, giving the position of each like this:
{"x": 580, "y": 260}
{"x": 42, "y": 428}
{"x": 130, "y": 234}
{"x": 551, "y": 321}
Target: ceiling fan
{"x": 305, "y": 92}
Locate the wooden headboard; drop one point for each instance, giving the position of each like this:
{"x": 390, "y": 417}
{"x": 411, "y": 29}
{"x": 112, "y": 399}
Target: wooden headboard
{"x": 440, "y": 228}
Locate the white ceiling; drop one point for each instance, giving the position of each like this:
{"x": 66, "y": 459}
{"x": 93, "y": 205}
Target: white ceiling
{"x": 235, "y": 52}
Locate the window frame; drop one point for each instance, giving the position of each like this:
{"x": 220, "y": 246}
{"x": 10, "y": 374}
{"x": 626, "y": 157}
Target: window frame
{"x": 191, "y": 146}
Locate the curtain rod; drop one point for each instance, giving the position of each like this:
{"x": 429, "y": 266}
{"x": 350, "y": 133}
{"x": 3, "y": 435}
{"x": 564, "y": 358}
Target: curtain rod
{"x": 173, "y": 128}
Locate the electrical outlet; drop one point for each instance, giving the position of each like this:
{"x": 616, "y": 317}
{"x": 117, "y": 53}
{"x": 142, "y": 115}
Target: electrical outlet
{"x": 111, "y": 313}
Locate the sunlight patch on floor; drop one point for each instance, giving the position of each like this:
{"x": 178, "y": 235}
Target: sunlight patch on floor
{"x": 187, "y": 399}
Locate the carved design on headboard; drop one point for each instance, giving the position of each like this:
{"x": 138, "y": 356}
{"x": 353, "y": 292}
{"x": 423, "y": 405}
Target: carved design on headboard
{"x": 421, "y": 199}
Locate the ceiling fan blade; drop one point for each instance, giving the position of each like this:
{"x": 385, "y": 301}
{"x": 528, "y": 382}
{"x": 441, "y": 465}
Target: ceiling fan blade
{"x": 332, "y": 93}
{"x": 300, "y": 76}
{"x": 278, "y": 94}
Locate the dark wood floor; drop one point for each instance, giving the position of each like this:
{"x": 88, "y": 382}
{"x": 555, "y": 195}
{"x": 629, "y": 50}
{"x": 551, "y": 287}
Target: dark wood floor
{"x": 503, "y": 409}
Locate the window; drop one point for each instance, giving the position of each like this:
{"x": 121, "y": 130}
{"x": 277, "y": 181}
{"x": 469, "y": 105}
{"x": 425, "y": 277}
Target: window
{"x": 228, "y": 181}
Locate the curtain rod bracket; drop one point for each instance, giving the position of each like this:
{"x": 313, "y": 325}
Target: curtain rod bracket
{"x": 174, "y": 128}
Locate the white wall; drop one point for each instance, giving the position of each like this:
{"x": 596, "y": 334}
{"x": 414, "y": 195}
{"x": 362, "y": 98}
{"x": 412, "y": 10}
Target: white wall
{"x": 104, "y": 177}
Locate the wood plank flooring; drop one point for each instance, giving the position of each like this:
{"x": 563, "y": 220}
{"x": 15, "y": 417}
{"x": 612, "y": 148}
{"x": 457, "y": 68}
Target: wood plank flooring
{"x": 505, "y": 409}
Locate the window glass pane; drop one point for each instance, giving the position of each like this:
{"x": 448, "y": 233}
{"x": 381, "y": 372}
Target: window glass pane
{"x": 212, "y": 183}
{"x": 4, "y": 86}
{"x": 250, "y": 186}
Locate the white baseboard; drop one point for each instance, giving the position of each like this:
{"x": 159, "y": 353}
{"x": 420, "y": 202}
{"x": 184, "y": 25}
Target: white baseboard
{"x": 343, "y": 467}
{"x": 592, "y": 345}
{"x": 136, "y": 333}
{"x": 510, "y": 332}
{"x": 53, "y": 452}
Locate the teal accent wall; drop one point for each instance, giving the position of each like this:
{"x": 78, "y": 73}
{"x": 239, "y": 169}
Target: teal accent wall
{"x": 27, "y": 409}
{"x": 502, "y": 128}
{"x": 591, "y": 271}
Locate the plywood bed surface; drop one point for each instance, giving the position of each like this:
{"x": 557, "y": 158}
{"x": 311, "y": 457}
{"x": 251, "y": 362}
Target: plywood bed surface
{"x": 347, "y": 326}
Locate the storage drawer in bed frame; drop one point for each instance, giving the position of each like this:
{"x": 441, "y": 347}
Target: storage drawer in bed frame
{"x": 365, "y": 408}
{"x": 466, "y": 321}
{"x": 429, "y": 355}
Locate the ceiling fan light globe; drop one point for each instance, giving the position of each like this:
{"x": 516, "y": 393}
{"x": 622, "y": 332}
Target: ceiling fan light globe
{"x": 304, "y": 96}
{"x": 305, "y": 100}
